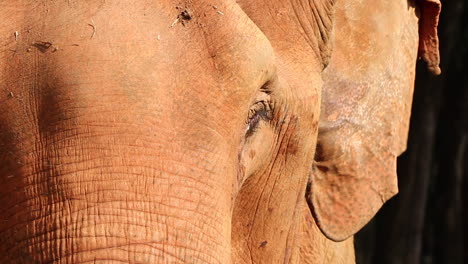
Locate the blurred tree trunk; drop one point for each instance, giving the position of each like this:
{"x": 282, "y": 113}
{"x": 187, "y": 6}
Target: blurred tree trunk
{"x": 451, "y": 145}
{"x": 465, "y": 203}
{"x": 424, "y": 223}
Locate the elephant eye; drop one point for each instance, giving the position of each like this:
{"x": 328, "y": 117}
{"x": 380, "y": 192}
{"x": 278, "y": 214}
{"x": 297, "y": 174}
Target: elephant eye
{"x": 261, "y": 110}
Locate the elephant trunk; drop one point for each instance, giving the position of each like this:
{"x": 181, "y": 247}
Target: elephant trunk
{"x": 100, "y": 193}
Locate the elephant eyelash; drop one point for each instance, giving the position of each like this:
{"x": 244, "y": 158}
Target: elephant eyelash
{"x": 261, "y": 110}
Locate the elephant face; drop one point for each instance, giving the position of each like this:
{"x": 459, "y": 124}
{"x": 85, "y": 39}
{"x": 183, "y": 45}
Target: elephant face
{"x": 154, "y": 131}
{"x": 137, "y": 131}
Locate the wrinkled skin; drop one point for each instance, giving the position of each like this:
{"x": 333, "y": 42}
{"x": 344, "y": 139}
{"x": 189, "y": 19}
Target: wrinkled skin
{"x": 135, "y": 131}
{"x": 366, "y": 107}
{"x": 366, "y": 102}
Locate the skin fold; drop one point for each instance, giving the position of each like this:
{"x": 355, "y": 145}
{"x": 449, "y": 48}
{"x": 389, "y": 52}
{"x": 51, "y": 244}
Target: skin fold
{"x": 365, "y": 113}
{"x": 186, "y": 131}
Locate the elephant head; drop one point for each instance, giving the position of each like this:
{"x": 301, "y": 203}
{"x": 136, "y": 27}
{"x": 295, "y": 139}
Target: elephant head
{"x": 164, "y": 132}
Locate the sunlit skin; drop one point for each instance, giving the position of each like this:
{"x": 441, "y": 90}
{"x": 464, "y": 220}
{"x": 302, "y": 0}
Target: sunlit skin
{"x": 199, "y": 131}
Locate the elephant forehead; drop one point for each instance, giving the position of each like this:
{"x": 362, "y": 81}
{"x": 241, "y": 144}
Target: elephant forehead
{"x": 141, "y": 71}
{"x": 138, "y": 48}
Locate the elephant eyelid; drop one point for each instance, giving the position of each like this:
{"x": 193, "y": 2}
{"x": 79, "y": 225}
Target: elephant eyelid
{"x": 262, "y": 110}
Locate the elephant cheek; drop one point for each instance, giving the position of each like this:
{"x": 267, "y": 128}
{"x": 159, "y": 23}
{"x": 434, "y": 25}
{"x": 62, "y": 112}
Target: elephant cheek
{"x": 267, "y": 211}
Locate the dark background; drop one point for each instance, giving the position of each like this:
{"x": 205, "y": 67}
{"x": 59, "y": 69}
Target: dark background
{"x": 423, "y": 224}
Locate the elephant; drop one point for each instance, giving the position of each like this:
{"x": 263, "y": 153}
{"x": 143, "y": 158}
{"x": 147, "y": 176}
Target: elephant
{"x": 202, "y": 131}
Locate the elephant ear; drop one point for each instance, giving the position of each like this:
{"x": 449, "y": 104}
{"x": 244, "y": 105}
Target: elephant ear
{"x": 366, "y": 104}
{"x": 428, "y": 40}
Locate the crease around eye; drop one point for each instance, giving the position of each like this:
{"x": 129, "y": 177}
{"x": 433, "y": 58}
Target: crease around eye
{"x": 260, "y": 111}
